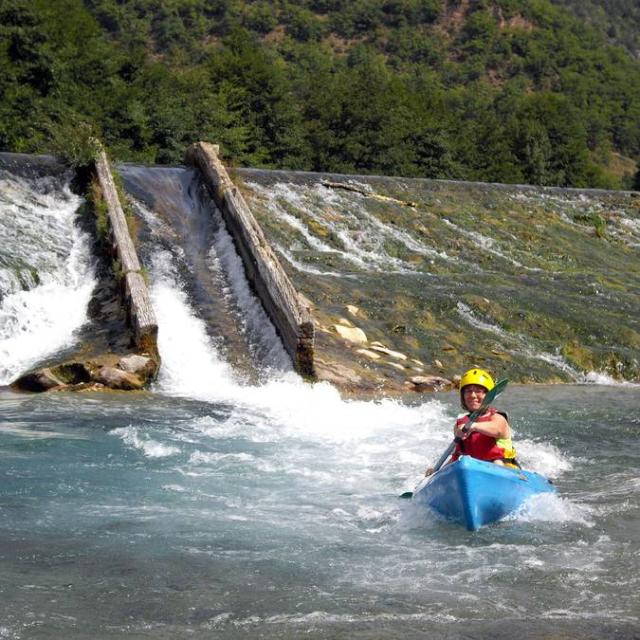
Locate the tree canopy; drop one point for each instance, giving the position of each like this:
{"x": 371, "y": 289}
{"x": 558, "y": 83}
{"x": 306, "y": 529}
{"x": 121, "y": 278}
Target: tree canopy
{"x": 491, "y": 90}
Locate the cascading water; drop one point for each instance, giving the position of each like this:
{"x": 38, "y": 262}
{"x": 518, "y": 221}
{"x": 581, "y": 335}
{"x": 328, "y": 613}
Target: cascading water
{"x": 541, "y": 285}
{"x": 219, "y": 507}
{"x": 46, "y": 270}
{"x": 191, "y": 255}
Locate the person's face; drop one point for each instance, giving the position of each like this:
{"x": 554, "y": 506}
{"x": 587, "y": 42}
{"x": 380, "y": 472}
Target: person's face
{"x": 473, "y": 395}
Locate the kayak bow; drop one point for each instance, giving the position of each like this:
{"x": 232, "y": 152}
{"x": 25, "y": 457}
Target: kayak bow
{"x": 474, "y": 492}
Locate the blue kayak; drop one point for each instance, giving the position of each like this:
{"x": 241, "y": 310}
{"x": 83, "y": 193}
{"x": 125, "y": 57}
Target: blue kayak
{"x": 474, "y": 492}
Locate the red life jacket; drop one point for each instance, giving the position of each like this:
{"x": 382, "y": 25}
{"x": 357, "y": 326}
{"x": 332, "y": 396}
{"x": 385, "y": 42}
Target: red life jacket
{"x": 484, "y": 447}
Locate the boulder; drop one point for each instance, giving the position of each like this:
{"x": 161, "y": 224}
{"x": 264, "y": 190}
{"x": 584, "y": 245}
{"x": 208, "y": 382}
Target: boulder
{"x": 429, "y": 383}
{"x": 117, "y": 379}
{"x": 142, "y": 366}
{"x": 351, "y": 334}
{"x": 36, "y": 381}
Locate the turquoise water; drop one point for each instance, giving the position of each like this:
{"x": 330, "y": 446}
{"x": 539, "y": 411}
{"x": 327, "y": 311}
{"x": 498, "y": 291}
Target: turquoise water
{"x": 273, "y": 513}
{"x": 212, "y": 507}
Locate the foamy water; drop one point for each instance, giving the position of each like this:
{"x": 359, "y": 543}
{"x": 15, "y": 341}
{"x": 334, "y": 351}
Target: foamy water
{"x": 216, "y": 507}
{"x": 46, "y": 275}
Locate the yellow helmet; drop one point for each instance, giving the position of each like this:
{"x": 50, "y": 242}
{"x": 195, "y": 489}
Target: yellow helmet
{"x": 477, "y": 376}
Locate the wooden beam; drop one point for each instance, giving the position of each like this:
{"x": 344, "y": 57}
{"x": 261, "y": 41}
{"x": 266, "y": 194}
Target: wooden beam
{"x": 290, "y": 316}
{"x": 139, "y": 310}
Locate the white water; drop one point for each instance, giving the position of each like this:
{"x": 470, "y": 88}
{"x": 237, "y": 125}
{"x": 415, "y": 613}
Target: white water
{"x": 360, "y": 234}
{"x": 212, "y": 507}
{"x": 46, "y": 277}
{"x": 522, "y": 346}
{"x": 356, "y": 437}
{"x": 619, "y": 223}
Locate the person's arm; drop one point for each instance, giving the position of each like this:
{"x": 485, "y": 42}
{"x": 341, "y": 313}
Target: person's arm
{"x": 496, "y": 428}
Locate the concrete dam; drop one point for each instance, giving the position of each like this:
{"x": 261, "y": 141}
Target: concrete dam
{"x": 376, "y": 285}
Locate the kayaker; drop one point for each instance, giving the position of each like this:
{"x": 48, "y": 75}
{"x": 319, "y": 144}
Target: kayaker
{"x": 489, "y": 437}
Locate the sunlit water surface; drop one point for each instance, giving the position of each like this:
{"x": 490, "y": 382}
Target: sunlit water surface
{"x": 273, "y": 512}
{"x": 216, "y": 508}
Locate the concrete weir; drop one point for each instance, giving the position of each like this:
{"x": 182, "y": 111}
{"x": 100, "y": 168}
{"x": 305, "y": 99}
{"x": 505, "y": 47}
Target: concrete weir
{"x": 284, "y": 305}
{"x": 137, "y": 301}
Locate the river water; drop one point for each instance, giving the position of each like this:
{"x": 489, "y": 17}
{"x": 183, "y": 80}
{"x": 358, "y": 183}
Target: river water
{"x": 214, "y": 507}
{"x": 272, "y": 512}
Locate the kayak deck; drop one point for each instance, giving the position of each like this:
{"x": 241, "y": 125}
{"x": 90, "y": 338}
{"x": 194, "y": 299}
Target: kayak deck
{"x": 475, "y": 492}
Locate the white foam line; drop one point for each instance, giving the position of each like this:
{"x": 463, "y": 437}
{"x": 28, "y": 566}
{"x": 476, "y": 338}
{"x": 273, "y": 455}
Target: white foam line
{"x": 324, "y": 617}
{"x": 304, "y": 268}
{"x": 524, "y": 349}
{"x": 487, "y": 244}
{"x": 149, "y": 447}
{"x": 384, "y": 229}
{"x": 364, "y": 258}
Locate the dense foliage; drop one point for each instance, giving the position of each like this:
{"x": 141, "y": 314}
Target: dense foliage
{"x": 495, "y": 90}
{"x": 618, "y": 19}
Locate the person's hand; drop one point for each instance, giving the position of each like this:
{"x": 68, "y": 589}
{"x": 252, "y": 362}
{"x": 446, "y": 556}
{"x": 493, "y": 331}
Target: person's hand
{"x": 461, "y": 432}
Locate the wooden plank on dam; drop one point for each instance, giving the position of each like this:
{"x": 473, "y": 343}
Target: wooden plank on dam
{"x": 291, "y": 317}
{"x": 138, "y": 303}
{"x": 123, "y": 244}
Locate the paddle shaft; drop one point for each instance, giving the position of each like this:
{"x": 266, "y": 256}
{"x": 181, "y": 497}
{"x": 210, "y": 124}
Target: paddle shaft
{"x": 488, "y": 399}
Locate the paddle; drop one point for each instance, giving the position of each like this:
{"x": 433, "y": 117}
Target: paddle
{"x": 488, "y": 399}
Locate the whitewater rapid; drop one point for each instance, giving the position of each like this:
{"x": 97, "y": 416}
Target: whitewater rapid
{"x": 46, "y": 273}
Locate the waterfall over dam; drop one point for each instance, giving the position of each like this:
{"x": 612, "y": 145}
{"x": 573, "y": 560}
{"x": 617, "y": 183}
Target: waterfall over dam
{"x": 46, "y": 268}
{"x": 183, "y": 234}
{"x": 540, "y": 285}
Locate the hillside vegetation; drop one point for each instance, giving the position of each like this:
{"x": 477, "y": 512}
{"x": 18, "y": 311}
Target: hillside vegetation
{"x": 617, "y": 19}
{"x": 492, "y": 90}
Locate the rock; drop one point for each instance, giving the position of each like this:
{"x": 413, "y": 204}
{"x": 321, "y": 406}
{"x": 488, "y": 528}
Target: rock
{"x": 395, "y": 365}
{"x": 72, "y": 372}
{"x": 438, "y": 364}
{"x": 338, "y": 374}
{"x": 393, "y": 354}
{"x": 36, "y": 381}
{"x": 117, "y": 379}
{"x": 353, "y": 310}
{"x": 369, "y": 354}
{"x": 143, "y": 366}
{"x": 429, "y": 383}
{"x": 345, "y": 322}
{"x": 351, "y": 334}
